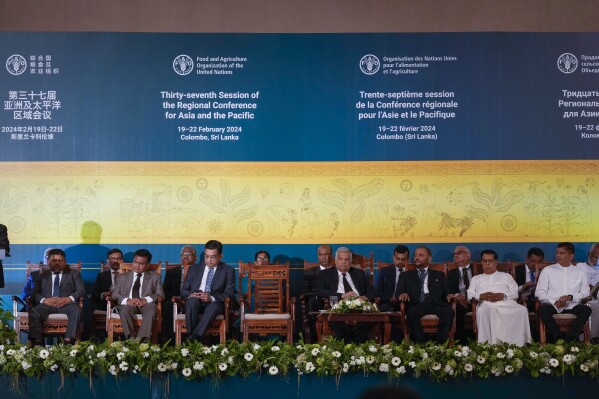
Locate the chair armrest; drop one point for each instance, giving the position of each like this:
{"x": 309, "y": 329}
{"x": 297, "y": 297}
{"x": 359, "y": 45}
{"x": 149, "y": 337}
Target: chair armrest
{"x": 18, "y": 300}
{"x": 292, "y": 302}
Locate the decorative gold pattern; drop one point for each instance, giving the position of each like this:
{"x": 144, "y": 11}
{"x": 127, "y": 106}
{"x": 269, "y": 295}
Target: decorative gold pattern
{"x": 299, "y": 202}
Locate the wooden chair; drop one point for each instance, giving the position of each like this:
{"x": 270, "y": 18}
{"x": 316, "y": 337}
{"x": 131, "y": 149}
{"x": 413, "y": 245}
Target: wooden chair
{"x": 113, "y": 320}
{"x": 469, "y": 321}
{"x": 396, "y": 318}
{"x": 563, "y": 320}
{"x": 365, "y": 263}
{"x": 219, "y": 326}
{"x": 304, "y": 305}
{"x": 429, "y": 322}
{"x": 55, "y": 324}
{"x": 271, "y": 311}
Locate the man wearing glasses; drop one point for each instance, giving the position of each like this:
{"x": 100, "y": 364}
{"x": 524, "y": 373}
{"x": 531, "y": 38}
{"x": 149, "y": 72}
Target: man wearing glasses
{"x": 459, "y": 281}
{"x": 262, "y": 258}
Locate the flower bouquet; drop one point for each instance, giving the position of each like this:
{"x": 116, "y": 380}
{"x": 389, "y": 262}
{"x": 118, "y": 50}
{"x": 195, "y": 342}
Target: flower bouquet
{"x": 357, "y": 305}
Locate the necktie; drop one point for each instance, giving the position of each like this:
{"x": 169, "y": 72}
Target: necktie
{"x": 465, "y": 277}
{"x": 208, "y": 287}
{"x": 422, "y": 276}
{"x": 532, "y": 277}
{"x": 136, "y": 287}
{"x": 56, "y": 285}
{"x": 397, "y": 273}
{"x": 114, "y": 274}
{"x": 346, "y": 285}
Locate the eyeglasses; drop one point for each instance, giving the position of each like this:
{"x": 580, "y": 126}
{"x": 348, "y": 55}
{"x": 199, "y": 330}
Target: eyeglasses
{"x": 115, "y": 257}
{"x": 187, "y": 254}
{"x": 262, "y": 259}
{"x": 459, "y": 253}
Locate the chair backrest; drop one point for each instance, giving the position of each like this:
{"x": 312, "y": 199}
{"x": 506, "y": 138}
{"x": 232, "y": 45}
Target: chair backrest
{"x": 32, "y": 267}
{"x": 507, "y": 267}
{"x": 383, "y": 265}
{"x": 441, "y": 267}
{"x": 74, "y": 266}
{"x": 268, "y": 288}
{"x": 310, "y": 265}
{"x": 365, "y": 263}
{"x": 152, "y": 267}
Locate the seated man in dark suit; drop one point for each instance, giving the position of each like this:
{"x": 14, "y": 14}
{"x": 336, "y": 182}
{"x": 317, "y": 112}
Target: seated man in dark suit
{"x": 427, "y": 292}
{"x": 459, "y": 282}
{"x": 310, "y": 285}
{"x": 386, "y": 283}
{"x": 205, "y": 289}
{"x": 137, "y": 292}
{"x": 105, "y": 280}
{"x": 173, "y": 280}
{"x": 344, "y": 281}
{"x": 525, "y": 276}
{"x": 28, "y": 287}
{"x": 56, "y": 291}
{"x": 103, "y": 285}
{"x": 5, "y": 245}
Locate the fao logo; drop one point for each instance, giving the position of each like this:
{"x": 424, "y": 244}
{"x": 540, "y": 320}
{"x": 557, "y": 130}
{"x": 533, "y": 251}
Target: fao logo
{"x": 16, "y": 64}
{"x": 370, "y": 64}
{"x": 183, "y": 64}
{"x": 567, "y": 63}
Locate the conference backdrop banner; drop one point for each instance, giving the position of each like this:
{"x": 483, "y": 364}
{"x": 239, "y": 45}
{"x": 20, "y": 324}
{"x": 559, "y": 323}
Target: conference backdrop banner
{"x": 299, "y": 138}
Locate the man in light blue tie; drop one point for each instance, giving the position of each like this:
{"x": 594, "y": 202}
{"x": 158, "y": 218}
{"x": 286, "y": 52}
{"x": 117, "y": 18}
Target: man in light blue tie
{"x": 205, "y": 290}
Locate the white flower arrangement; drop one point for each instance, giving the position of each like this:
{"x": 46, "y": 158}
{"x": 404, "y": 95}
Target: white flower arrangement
{"x": 357, "y": 305}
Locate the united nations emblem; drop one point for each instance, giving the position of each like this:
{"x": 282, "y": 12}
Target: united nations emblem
{"x": 567, "y": 63}
{"x": 370, "y": 64}
{"x": 183, "y": 64}
{"x": 16, "y": 64}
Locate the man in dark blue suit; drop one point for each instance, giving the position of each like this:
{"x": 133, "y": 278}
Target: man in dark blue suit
{"x": 205, "y": 290}
{"x": 427, "y": 292}
{"x": 344, "y": 281}
{"x": 56, "y": 291}
{"x": 386, "y": 283}
{"x": 5, "y": 245}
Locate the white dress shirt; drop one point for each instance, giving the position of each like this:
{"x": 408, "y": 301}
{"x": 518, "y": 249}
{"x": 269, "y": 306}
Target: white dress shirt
{"x": 341, "y": 288}
{"x": 556, "y": 281}
{"x": 141, "y": 284}
{"x": 496, "y": 282}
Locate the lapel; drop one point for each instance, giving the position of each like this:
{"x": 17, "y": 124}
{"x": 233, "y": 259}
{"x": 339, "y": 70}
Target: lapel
{"x": 64, "y": 277}
{"x": 144, "y": 286}
{"x": 355, "y": 279}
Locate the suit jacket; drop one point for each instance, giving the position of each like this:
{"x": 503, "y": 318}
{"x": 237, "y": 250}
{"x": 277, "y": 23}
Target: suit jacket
{"x": 385, "y": 283}
{"x": 438, "y": 288}
{"x": 4, "y": 242}
{"x": 172, "y": 282}
{"x": 520, "y": 272}
{"x": 310, "y": 281}
{"x": 329, "y": 281}
{"x": 103, "y": 284}
{"x": 223, "y": 281}
{"x": 71, "y": 284}
{"x": 28, "y": 288}
{"x": 453, "y": 279}
{"x": 151, "y": 286}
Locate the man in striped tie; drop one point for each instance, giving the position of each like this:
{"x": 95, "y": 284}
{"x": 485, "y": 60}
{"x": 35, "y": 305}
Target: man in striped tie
{"x": 205, "y": 289}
